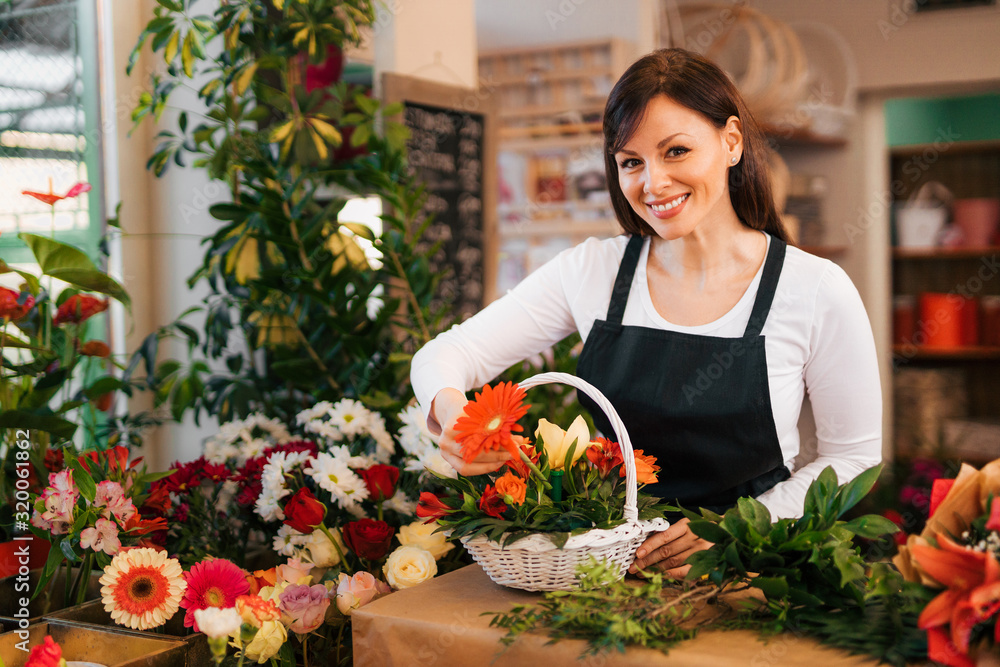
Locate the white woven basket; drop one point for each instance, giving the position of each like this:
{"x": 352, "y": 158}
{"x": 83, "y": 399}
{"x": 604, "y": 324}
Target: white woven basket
{"x": 533, "y": 563}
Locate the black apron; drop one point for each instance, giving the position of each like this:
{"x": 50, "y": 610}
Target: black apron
{"x": 700, "y": 404}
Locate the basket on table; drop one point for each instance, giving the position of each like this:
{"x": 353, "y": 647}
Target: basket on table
{"x": 534, "y": 563}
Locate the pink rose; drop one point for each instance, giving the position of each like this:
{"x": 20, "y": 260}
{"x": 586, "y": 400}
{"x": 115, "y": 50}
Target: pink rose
{"x": 303, "y": 608}
{"x": 355, "y": 592}
{"x": 111, "y": 497}
{"x": 294, "y": 570}
{"x": 102, "y": 537}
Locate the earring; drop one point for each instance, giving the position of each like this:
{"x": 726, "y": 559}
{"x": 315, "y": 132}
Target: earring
{"x": 733, "y": 160}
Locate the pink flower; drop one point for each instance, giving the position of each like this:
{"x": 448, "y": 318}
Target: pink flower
{"x": 102, "y": 537}
{"x": 294, "y": 570}
{"x": 356, "y": 591}
{"x": 303, "y": 608}
{"x": 62, "y": 482}
{"x": 111, "y": 497}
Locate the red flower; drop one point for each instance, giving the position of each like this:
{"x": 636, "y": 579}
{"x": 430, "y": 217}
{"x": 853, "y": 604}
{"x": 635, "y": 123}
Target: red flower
{"x": 78, "y": 308}
{"x": 381, "y": 481}
{"x": 216, "y": 472}
{"x": 54, "y": 459}
{"x": 939, "y": 490}
{"x": 993, "y": 523}
{"x": 51, "y": 198}
{"x": 430, "y": 507}
{"x": 212, "y": 583}
{"x": 47, "y": 654}
{"x": 492, "y": 502}
{"x": 517, "y": 464}
{"x": 158, "y": 500}
{"x": 10, "y": 309}
{"x": 368, "y": 538}
{"x": 138, "y": 526}
{"x": 104, "y": 401}
{"x": 303, "y": 512}
{"x": 185, "y": 477}
{"x": 95, "y": 348}
{"x": 606, "y": 457}
{"x": 896, "y": 518}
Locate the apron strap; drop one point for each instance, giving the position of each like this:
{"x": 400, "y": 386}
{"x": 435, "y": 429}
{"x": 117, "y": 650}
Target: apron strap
{"x": 623, "y": 282}
{"x": 765, "y": 291}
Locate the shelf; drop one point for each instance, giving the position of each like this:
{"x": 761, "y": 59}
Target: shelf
{"x": 551, "y": 110}
{"x": 541, "y": 144}
{"x": 534, "y": 75}
{"x": 796, "y": 136}
{"x": 560, "y": 130}
{"x": 972, "y": 352}
{"x": 943, "y": 253}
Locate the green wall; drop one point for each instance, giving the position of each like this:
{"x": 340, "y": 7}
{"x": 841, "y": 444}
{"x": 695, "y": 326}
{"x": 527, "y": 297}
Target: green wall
{"x": 923, "y": 120}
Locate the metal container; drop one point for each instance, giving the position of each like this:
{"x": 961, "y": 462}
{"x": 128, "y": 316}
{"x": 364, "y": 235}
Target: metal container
{"x": 12, "y": 590}
{"x": 101, "y": 645}
{"x": 93, "y": 613}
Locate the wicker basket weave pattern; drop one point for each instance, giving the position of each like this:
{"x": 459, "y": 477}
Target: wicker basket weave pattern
{"x": 534, "y": 563}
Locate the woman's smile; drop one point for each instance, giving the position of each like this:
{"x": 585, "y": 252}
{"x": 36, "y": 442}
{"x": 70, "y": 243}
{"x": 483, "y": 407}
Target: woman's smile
{"x": 670, "y": 207}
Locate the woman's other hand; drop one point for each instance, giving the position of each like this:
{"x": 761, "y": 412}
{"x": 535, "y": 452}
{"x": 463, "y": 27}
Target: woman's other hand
{"x": 447, "y": 407}
{"x": 668, "y": 550}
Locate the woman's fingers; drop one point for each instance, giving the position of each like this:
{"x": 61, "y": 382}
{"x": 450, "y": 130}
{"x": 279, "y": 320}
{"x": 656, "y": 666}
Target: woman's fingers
{"x": 484, "y": 463}
{"x": 667, "y": 550}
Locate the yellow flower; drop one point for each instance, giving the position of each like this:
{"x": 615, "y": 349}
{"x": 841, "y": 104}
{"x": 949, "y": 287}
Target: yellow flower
{"x": 557, "y": 441}
{"x": 420, "y": 534}
{"x": 265, "y": 643}
{"x": 409, "y": 566}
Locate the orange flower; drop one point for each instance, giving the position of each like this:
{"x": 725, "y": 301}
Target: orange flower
{"x": 513, "y": 486}
{"x": 605, "y": 455}
{"x": 516, "y": 463}
{"x": 51, "y": 198}
{"x": 95, "y": 348}
{"x": 645, "y": 468}
{"x": 490, "y": 419}
{"x": 261, "y": 579}
{"x": 256, "y": 611}
{"x": 78, "y": 308}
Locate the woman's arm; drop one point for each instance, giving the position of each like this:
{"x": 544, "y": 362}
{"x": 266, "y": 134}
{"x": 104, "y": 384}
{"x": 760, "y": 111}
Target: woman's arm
{"x": 842, "y": 380}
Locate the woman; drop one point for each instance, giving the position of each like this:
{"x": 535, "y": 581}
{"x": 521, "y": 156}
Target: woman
{"x": 700, "y": 325}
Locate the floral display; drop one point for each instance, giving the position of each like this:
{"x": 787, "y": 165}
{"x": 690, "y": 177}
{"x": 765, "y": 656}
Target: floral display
{"x": 563, "y": 483}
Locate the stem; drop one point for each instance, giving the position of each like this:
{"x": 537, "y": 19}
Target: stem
{"x": 340, "y": 637}
{"x": 336, "y": 545}
{"x": 84, "y": 578}
{"x": 534, "y": 469}
{"x": 67, "y": 588}
{"x": 557, "y": 477}
{"x": 411, "y": 296}
{"x": 305, "y": 651}
{"x": 379, "y": 507}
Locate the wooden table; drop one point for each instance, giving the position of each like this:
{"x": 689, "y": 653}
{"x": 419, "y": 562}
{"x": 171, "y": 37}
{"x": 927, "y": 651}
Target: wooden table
{"x": 439, "y": 623}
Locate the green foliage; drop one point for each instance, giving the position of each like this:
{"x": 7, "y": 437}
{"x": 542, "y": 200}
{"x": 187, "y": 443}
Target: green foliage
{"x": 292, "y": 315}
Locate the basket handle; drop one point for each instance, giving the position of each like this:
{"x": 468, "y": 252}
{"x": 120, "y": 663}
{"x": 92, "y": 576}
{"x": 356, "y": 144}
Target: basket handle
{"x": 631, "y": 487}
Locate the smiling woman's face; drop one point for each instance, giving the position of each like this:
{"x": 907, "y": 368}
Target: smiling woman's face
{"x": 673, "y": 170}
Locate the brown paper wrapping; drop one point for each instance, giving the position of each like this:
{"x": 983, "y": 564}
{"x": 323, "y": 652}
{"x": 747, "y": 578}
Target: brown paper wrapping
{"x": 439, "y": 623}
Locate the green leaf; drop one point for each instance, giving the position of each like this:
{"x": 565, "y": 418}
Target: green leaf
{"x": 57, "y": 426}
{"x": 67, "y": 550}
{"x": 849, "y": 564}
{"x": 851, "y": 493}
{"x": 775, "y": 588}
{"x": 56, "y": 557}
{"x": 871, "y": 526}
{"x": 232, "y": 212}
{"x": 756, "y": 514}
{"x": 712, "y": 532}
{"x": 364, "y": 231}
{"x": 86, "y": 483}
{"x": 187, "y": 54}
{"x": 67, "y": 263}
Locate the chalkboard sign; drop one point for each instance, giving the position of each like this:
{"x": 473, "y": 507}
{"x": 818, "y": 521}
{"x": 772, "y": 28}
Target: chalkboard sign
{"x": 450, "y": 151}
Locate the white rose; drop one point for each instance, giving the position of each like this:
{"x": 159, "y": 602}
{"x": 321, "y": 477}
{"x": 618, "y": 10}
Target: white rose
{"x": 217, "y": 622}
{"x": 420, "y": 534}
{"x": 322, "y": 552}
{"x": 409, "y": 566}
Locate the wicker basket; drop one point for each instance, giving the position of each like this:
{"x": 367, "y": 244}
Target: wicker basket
{"x": 533, "y": 563}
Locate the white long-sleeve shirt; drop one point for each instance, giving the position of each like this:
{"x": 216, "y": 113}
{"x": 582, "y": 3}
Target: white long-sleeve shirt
{"x": 817, "y": 339}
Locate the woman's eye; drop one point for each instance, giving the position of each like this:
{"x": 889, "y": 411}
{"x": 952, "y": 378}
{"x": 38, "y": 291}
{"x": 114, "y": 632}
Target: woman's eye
{"x": 676, "y": 151}
{"x": 628, "y": 163}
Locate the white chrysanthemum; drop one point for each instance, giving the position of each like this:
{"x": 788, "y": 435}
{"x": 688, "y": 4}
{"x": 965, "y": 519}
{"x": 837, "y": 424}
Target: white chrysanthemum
{"x": 321, "y": 409}
{"x": 402, "y": 504}
{"x": 268, "y": 507}
{"x": 343, "y": 453}
{"x": 252, "y": 448}
{"x": 433, "y": 461}
{"x": 220, "y": 452}
{"x": 413, "y": 434}
{"x": 324, "y": 430}
{"x": 287, "y": 539}
{"x": 273, "y": 486}
{"x": 242, "y": 439}
{"x": 351, "y": 417}
{"x": 386, "y": 446}
{"x": 335, "y": 476}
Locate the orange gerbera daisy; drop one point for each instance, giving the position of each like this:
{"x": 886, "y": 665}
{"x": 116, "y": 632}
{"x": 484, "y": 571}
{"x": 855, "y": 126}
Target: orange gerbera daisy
{"x": 142, "y": 588}
{"x": 490, "y": 420}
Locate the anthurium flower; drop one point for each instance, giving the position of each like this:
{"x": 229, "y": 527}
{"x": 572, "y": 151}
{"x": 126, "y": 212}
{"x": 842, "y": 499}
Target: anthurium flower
{"x": 51, "y": 198}
{"x": 78, "y": 308}
{"x": 557, "y": 442}
{"x": 10, "y": 309}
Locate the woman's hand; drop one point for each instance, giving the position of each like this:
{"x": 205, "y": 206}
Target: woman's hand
{"x": 447, "y": 407}
{"x": 668, "y": 550}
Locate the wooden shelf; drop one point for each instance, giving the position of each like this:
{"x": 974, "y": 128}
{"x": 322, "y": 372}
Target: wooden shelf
{"x": 943, "y": 253}
{"x": 537, "y": 75}
{"x": 972, "y": 352}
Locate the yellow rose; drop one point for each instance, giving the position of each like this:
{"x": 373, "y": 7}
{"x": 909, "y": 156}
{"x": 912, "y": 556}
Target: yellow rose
{"x": 420, "y": 534}
{"x": 557, "y": 441}
{"x": 322, "y": 552}
{"x": 267, "y": 642}
{"x": 409, "y": 566}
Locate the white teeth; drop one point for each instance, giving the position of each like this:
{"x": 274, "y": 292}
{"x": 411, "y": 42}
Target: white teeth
{"x": 666, "y": 207}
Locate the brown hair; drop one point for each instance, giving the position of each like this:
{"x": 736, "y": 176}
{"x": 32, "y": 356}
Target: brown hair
{"x": 697, "y": 83}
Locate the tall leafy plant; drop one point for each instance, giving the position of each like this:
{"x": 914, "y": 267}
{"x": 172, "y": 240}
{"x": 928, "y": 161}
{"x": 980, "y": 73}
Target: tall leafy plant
{"x": 297, "y": 311}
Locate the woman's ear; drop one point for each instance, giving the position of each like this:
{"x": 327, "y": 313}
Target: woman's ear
{"x": 732, "y": 134}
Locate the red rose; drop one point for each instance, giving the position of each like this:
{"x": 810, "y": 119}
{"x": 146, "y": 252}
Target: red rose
{"x": 605, "y": 457}
{"x": 303, "y": 512}
{"x": 78, "y": 308}
{"x": 431, "y": 508}
{"x": 381, "y": 481}
{"x": 10, "y": 309}
{"x": 492, "y": 502}
{"x": 47, "y": 654}
{"x": 368, "y": 538}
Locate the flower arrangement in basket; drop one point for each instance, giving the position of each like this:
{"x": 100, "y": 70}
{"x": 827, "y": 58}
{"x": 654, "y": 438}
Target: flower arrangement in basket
{"x": 556, "y": 502}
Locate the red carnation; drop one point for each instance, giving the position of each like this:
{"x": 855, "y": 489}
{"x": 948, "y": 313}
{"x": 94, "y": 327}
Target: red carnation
{"x": 78, "y": 308}
{"x": 368, "y": 538}
{"x": 381, "y": 481}
{"x": 430, "y": 507}
{"x": 10, "y": 309}
{"x": 303, "y": 512}
{"x": 492, "y": 502}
